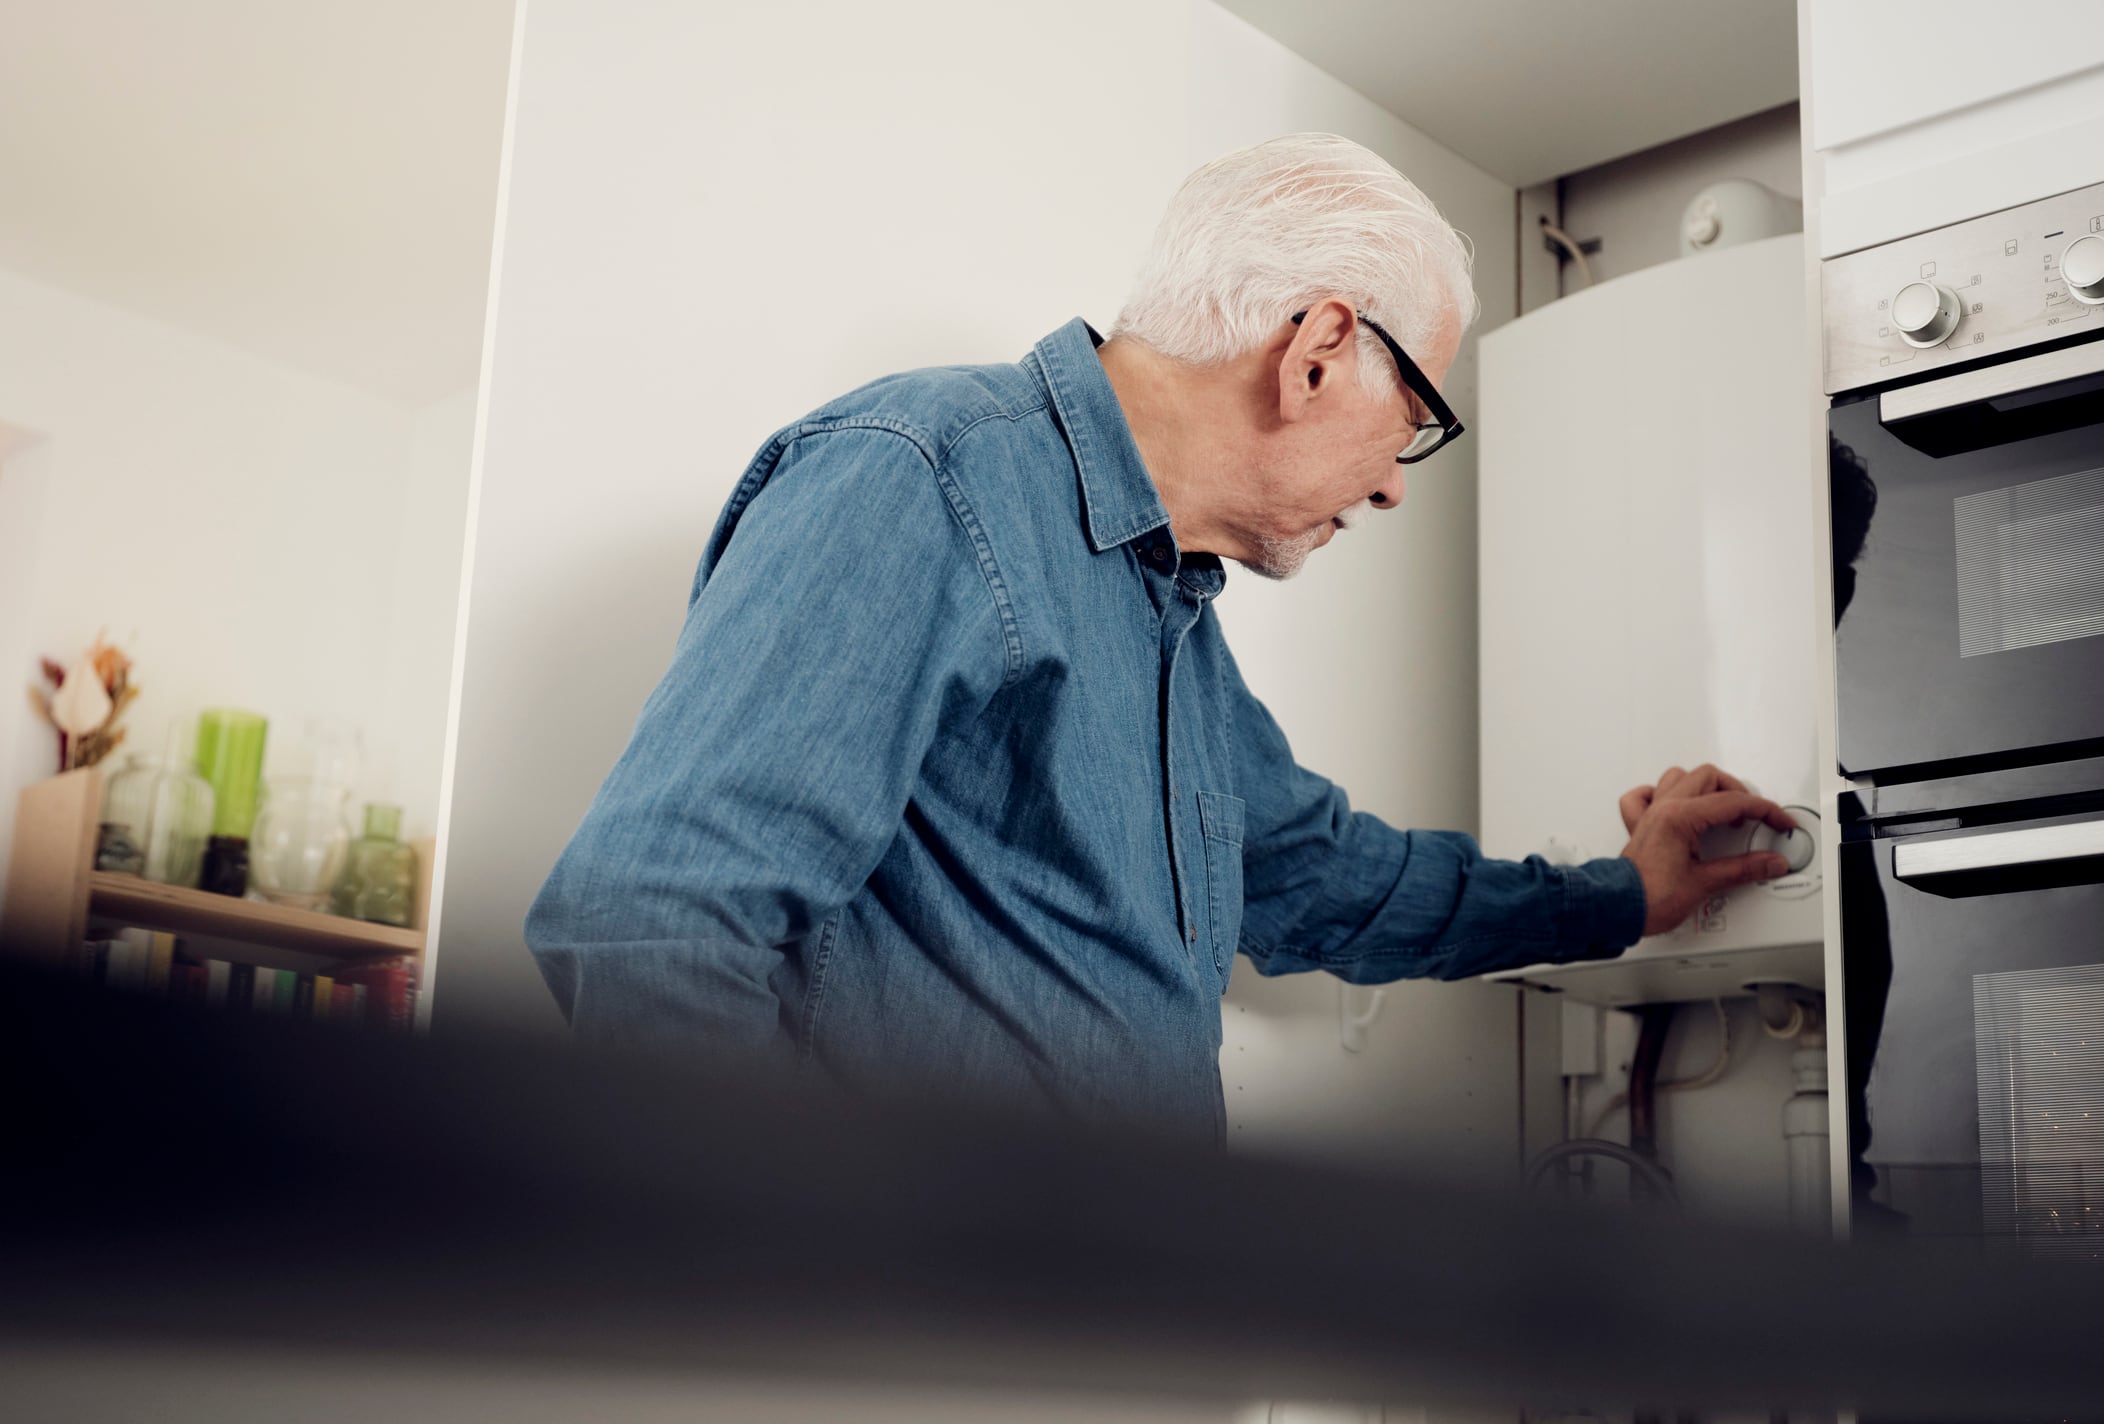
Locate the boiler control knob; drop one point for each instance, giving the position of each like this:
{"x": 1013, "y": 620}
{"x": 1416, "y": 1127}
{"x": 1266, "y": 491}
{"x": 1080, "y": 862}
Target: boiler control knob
{"x": 1925, "y": 314}
{"x": 1722, "y": 842}
{"x": 2082, "y": 266}
{"x": 1798, "y": 847}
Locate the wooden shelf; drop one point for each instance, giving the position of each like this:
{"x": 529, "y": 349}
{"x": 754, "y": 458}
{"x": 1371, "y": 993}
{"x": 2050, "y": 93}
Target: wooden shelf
{"x": 53, "y": 891}
{"x": 169, "y": 907}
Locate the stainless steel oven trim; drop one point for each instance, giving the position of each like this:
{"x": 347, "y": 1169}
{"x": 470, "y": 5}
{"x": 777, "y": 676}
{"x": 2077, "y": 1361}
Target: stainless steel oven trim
{"x": 1995, "y": 850}
{"x": 2007, "y": 378}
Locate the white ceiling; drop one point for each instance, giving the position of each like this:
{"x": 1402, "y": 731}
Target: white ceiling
{"x": 1530, "y": 90}
{"x": 314, "y": 183}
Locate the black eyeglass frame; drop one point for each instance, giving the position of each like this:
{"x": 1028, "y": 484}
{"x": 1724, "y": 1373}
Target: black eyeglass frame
{"x": 1420, "y": 385}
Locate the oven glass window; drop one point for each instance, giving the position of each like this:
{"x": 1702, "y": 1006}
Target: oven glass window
{"x": 2030, "y": 563}
{"x": 1970, "y": 588}
{"x": 2039, "y": 1046}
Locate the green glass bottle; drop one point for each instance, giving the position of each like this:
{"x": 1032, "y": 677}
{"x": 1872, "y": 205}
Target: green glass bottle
{"x": 379, "y": 876}
{"x": 230, "y": 756}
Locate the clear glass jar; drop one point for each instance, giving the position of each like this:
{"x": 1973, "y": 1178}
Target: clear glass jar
{"x": 301, "y": 837}
{"x": 182, "y": 820}
{"x": 379, "y": 877}
{"x": 127, "y": 817}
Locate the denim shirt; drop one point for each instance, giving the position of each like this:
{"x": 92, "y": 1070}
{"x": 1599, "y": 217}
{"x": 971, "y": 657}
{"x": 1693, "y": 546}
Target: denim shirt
{"x": 953, "y": 784}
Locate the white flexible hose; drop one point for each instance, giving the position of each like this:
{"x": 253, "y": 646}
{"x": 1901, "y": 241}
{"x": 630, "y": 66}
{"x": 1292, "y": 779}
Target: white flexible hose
{"x": 1569, "y": 244}
{"x": 1703, "y": 1079}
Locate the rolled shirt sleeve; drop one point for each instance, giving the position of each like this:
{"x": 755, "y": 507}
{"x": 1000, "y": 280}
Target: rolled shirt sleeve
{"x": 1327, "y": 887}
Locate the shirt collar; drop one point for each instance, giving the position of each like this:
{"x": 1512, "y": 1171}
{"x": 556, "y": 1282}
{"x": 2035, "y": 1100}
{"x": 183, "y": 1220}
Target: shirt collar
{"x": 1118, "y": 497}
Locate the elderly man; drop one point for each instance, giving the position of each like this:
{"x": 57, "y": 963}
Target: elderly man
{"x": 953, "y": 783}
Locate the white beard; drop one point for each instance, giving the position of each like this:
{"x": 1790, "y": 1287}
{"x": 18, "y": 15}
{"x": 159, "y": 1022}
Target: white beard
{"x": 1282, "y": 558}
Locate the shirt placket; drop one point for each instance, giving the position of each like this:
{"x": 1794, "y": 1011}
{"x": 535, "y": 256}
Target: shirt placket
{"x": 1179, "y": 609}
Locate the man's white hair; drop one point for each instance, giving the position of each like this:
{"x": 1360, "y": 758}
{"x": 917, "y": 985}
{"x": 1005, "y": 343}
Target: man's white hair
{"x": 1261, "y": 233}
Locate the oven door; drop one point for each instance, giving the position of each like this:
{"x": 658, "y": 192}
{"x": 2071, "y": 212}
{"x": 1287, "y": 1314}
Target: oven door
{"x": 1985, "y": 1094}
{"x": 1972, "y": 623}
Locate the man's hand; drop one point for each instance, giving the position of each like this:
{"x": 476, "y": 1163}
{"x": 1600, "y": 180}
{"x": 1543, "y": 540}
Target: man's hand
{"x": 1666, "y": 821}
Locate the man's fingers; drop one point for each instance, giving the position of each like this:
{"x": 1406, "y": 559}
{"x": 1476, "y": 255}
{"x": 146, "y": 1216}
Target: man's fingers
{"x": 1634, "y": 803}
{"x": 1720, "y": 875}
{"x": 1721, "y": 808}
{"x": 1699, "y": 782}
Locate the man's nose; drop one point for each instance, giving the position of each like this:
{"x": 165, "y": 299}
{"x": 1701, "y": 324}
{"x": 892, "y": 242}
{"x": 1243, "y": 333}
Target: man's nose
{"x": 1389, "y": 494}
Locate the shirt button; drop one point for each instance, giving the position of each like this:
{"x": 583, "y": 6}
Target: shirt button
{"x": 1160, "y": 554}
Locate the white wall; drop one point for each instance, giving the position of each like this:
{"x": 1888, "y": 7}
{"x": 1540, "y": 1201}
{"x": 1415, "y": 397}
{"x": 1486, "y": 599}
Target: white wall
{"x": 425, "y": 592}
{"x": 238, "y": 527}
{"x": 28, "y": 750}
{"x": 939, "y": 182}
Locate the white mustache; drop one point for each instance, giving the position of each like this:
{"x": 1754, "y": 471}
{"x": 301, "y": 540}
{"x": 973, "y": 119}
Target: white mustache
{"x": 1350, "y": 517}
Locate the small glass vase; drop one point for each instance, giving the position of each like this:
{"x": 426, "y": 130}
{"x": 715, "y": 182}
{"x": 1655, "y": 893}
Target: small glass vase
{"x": 182, "y": 820}
{"x": 301, "y": 837}
{"x": 379, "y": 877}
{"x": 127, "y": 817}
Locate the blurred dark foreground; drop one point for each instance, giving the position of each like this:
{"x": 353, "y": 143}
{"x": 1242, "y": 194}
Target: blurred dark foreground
{"x": 176, "y": 1181}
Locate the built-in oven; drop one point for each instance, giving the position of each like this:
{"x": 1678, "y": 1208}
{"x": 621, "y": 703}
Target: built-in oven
{"x": 1974, "y": 957}
{"x": 1966, "y": 489}
{"x": 1975, "y": 634}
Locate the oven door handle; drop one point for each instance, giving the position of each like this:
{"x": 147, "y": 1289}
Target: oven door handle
{"x": 1990, "y": 382}
{"x": 1998, "y": 850}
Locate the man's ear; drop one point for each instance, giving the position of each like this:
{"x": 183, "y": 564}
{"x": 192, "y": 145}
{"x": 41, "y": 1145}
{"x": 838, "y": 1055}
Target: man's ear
{"x": 1315, "y": 357}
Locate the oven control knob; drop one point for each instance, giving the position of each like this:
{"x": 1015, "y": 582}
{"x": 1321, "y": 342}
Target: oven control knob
{"x": 1799, "y": 847}
{"x": 2082, "y": 267}
{"x": 1925, "y": 314}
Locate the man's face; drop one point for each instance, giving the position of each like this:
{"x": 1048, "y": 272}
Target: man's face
{"x": 1329, "y": 459}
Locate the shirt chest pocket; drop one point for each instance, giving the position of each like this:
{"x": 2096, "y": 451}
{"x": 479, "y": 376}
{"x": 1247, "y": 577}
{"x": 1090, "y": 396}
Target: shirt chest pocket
{"x": 1220, "y": 820}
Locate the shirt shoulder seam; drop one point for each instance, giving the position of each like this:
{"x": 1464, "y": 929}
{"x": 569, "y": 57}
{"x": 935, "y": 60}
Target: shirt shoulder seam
{"x": 982, "y": 545}
{"x": 960, "y": 509}
{"x": 979, "y": 420}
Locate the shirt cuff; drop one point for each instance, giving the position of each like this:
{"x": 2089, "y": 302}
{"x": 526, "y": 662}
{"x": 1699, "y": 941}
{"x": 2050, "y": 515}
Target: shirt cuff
{"x": 1604, "y": 906}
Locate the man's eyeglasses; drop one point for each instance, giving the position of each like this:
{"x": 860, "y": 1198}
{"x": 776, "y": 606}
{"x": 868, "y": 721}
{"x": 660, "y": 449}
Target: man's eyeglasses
{"x": 1443, "y": 426}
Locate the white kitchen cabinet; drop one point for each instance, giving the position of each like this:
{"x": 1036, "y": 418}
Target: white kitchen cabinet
{"x": 1878, "y": 65}
{"x": 1928, "y": 112}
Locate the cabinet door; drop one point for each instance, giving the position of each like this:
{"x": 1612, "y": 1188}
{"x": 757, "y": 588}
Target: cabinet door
{"x": 1878, "y": 65}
